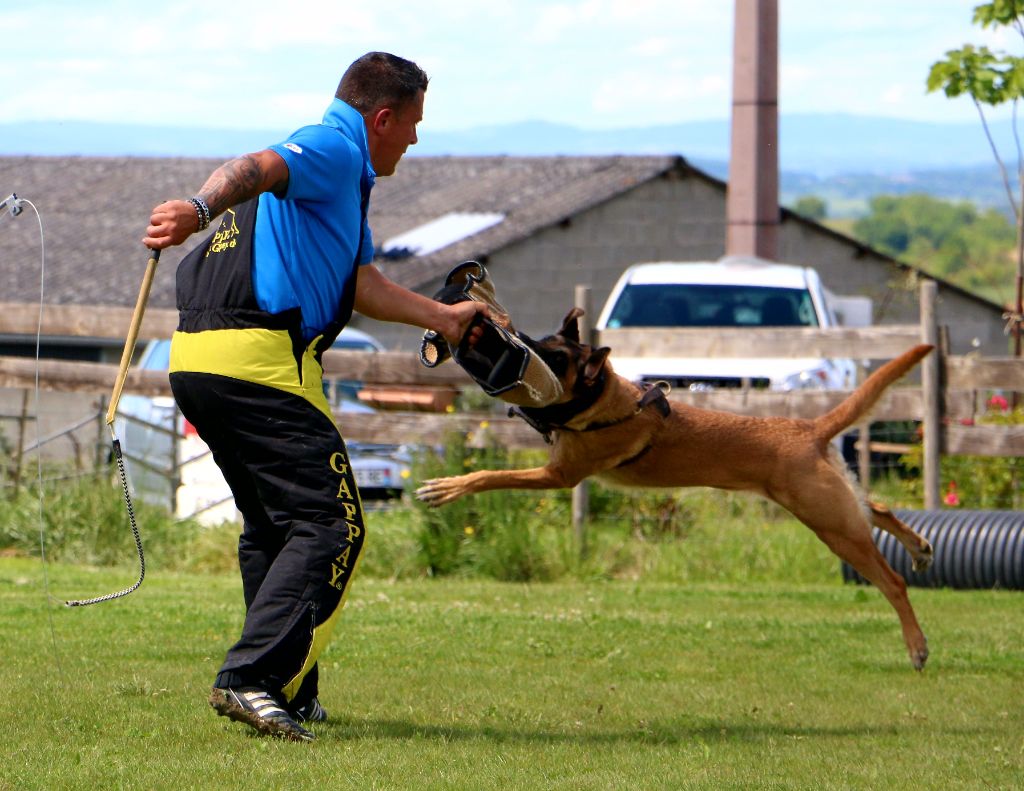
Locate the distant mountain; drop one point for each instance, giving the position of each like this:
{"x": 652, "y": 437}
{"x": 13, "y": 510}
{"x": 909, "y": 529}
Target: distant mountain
{"x": 848, "y": 194}
{"x": 815, "y": 144}
{"x": 818, "y": 144}
{"x": 818, "y": 152}
{"x": 85, "y": 138}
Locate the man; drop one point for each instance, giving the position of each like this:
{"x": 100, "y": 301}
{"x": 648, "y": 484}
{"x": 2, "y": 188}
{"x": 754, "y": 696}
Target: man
{"x": 258, "y": 305}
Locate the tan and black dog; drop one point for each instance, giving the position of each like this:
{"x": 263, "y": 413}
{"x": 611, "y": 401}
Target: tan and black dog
{"x": 605, "y": 426}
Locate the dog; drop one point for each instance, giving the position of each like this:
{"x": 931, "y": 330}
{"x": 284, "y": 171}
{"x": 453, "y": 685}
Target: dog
{"x": 606, "y": 427}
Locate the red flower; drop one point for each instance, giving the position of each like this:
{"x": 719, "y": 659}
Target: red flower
{"x": 951, "y": 497}
{"x": 998, "y": 402}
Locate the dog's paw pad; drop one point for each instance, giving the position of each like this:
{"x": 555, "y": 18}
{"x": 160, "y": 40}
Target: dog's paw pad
{"x": 433, "y": 492}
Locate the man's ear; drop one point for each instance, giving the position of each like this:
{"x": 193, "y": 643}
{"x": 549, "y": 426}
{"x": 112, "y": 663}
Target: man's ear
{"x": 570, "y": 325}
{"x": 380, "y": 118}
{"x": 595, "y": 362}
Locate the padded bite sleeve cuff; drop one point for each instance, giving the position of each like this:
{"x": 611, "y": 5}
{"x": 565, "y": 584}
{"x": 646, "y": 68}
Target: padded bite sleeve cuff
{"x": 499, "y": 361}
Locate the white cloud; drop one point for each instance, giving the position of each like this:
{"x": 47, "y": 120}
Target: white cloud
{"x": 633, "y": 98}
{"x": 591, "y": 63}
{"x": 895, "y": 96}
{"x": 652, "y": 47}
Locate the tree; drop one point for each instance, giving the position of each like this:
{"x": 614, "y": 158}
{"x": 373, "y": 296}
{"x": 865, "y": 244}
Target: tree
{"x": 954, "y": 241}
{"x": 812, "y": 207}
{"x": 990, "y": 79}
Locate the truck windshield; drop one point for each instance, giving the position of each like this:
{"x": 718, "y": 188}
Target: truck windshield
{"x": 687, "y": 305}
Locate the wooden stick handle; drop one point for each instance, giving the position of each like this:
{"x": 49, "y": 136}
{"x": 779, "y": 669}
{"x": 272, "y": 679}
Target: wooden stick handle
{"x": 133, "y": 334}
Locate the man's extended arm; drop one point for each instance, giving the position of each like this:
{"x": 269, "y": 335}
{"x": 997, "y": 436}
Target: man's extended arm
{"x": 232, "y": 183}
{"x": 380, "y": 298}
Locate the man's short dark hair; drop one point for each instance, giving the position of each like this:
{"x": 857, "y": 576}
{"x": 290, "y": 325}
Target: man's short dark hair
{"x": 379, "y": 79}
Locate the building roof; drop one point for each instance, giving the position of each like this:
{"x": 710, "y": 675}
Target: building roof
{"x": 95, "y": 209}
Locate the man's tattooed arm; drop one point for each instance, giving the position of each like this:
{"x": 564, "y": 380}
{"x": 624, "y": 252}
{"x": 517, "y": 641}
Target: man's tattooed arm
{"x": 243, "y": 178}
{"x": 173, "y": 221}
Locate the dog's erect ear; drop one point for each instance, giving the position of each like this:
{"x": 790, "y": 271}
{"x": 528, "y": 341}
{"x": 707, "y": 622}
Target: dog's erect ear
{"x": 595, "y": 362}
{"x": 570, "y": 325}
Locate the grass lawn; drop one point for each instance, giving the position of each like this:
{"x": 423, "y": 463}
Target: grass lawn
{"x": 456, "y": 684}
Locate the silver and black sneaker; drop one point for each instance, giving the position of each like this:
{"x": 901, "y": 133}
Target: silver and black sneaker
{"x": 310, "y": 712}
{"x": 258, "y": 709}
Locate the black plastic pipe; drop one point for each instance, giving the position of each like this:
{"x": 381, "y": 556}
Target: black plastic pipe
{"x": 973, "y": 549}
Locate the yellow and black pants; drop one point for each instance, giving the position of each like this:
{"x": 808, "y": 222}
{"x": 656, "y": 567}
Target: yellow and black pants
{"x": 264, "y": 415}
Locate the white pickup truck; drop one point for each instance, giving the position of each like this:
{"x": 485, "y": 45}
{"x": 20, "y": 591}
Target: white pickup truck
{"x": 733, "y": 292}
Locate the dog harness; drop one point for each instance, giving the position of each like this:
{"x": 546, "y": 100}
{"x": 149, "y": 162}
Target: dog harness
{"x": 547, "y": 420}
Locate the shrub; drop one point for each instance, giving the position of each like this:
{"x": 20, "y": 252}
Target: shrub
{"x": 500, "y": 534}
{"x": 977, "y": 482}
{"x": 84, "y": 520}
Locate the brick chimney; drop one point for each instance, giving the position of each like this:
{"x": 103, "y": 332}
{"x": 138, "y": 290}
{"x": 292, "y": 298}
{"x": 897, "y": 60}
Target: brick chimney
{"x": 752, "y": 197}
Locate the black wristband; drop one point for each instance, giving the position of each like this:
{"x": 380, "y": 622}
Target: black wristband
{"x": 202, "y": 212}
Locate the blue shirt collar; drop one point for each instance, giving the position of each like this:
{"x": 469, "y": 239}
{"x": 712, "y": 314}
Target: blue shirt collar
{"x": 345, "y": 117}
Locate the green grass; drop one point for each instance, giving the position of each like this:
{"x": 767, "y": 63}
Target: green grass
{"x": 471, "y": 684}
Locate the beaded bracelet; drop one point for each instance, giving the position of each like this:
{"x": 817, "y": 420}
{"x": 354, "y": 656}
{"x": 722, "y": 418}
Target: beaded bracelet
{"x": 202, "y": 212}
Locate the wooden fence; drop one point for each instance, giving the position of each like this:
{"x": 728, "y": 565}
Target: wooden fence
{"x": 945, "y": 402}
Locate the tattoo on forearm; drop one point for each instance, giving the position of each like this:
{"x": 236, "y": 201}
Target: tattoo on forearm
{"x": 232, "y": 183}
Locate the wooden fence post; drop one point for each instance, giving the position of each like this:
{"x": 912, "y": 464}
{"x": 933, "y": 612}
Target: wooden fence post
{"x": 864, "y": 441}
{"x": 99, "y": 450}
{"x": 581, "y": 492}
{"x": 175, "y": 471}
{"x": 932, "y": 395}
{"x": 19, "y": 459}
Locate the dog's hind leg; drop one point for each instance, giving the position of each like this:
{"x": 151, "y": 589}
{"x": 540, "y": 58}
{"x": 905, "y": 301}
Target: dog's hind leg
{"x": 826, "y": 504}
{"x": 919, "y": 548}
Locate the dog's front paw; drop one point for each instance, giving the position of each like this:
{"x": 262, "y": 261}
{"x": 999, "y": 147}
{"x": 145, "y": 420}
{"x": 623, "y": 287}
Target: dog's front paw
{"x": 438, "y": 491}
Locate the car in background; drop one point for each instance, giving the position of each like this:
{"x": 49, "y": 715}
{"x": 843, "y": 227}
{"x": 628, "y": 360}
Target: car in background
{"x": 350, "y": 340}
{"x": 738, "y": 292}
{"x": 169, "y": 464}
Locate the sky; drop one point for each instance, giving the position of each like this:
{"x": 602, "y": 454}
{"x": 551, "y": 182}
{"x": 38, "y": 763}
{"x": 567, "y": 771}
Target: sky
{"x": 591, "y": 64}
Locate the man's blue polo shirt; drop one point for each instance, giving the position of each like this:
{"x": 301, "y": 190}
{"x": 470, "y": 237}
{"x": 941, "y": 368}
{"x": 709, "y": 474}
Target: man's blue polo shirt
{"x": 305, "y": 243}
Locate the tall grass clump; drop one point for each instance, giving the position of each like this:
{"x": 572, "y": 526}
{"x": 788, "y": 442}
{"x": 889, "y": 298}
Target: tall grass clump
{"x": 504, "y": 534}
{"x": 85, "y": 520}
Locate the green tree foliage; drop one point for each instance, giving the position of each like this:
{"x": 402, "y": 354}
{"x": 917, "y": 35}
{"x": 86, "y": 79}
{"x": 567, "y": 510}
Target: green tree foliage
{"x": 812, "y": 207}
{"x": 955, "y": 241}
{"x": 990, "y": 79}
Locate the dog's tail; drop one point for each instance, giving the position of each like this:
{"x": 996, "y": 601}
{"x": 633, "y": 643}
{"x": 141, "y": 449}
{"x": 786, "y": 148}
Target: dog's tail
{"x": 864, "y": 397}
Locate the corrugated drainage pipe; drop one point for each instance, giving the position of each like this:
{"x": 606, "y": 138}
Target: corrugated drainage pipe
{"x": 973, "y": 549}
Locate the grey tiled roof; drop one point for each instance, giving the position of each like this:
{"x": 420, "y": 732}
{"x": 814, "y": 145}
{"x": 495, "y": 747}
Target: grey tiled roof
{"x": 532, "y": 193}
{"x": 94, "y": 212}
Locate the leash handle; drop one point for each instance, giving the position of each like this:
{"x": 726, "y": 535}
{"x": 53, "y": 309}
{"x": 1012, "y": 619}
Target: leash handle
{"x": 133, "y": 334}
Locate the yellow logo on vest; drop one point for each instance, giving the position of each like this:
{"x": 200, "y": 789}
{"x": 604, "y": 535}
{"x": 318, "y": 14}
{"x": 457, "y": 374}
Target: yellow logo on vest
{"x": 227, "y": 234}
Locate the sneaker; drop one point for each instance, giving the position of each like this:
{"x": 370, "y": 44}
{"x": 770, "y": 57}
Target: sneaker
{"x": 258, "y": 709}
{"x": 310, "y": 712}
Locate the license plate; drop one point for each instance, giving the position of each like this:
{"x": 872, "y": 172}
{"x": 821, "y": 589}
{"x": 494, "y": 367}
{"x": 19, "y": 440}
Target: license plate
{"x": 372, "y": 478}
